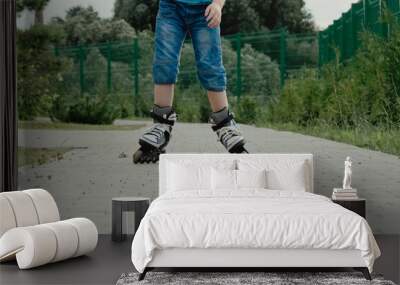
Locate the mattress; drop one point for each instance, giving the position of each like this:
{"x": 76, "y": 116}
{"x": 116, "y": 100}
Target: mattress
{"x": 250, "y": 219}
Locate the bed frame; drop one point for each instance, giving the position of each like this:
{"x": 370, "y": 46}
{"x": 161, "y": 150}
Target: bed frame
{"x": 260, "y": 259}
{"x": 237, "y": 259}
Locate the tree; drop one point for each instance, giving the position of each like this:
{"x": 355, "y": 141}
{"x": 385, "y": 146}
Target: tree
{"x": 34, "y": 5}
{"x": 39, "y": 70}
{"x": 238, "y": 16}
{"x": 291, "y": 14}
{"x": 256, "y": 15}
{"x": 83, "y": 25}
{"x": 141, "y": 14}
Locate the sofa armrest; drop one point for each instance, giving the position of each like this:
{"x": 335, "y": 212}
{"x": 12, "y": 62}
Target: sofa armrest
{"x": 32, "y": 246}
{"x": 41, "y": 244}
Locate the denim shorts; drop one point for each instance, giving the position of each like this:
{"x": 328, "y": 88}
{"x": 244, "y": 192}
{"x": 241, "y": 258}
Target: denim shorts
{"x": 174, "y": 21}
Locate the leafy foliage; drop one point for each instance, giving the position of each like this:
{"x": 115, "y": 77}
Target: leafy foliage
{"x": 361, "y": 93}
{"x": 83, "y": 25}
{"x": 70, "y": 107}
{"x": 39, "y": 71}
{"x": 246, "y": 110}
{"x": 139, "y": 14}
{"x": 86, "y": 109}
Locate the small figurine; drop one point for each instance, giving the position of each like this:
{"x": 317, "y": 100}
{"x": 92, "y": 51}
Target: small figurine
{"x": 347, "y": 173}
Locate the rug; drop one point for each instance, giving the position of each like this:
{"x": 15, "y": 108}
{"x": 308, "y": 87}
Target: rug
{"x": 244, "y": 278}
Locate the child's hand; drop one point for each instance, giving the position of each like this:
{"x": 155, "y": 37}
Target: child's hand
{"x": 213, "y": 14}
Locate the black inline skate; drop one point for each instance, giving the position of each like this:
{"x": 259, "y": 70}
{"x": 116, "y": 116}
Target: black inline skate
{"x": 155, "y": 139}
{"x": 228, "y": 133}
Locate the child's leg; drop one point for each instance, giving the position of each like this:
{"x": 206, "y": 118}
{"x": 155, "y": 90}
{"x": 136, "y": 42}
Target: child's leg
{"x": 170, "y": 34}
{"x": 169, "y": 37}
{"x": 218, "y": 100}
{"x": 164, "y": 95}
{"x": 211, "y": 72}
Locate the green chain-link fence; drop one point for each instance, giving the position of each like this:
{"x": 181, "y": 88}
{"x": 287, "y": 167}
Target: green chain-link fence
{"x": 256, "y": 64}
{"x": 344, "y": 34}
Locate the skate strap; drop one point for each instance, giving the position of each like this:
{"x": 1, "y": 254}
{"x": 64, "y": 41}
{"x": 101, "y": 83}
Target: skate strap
{"x": 162, "y": 120}
{"x": 226, "y": 134}
{"x": 223, "y": 123}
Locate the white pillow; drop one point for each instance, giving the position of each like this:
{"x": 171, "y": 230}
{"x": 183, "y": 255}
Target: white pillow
{"x": 183, "y": 178}
{"x": 287, "y": 175}
{"x": 223, "y": 179}
{"x": 251, "y": 178}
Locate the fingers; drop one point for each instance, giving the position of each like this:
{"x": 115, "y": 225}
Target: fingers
{"x": 207, "y": 12}
{"x": 214, "y": 22}
{"x": 211, "y": 15}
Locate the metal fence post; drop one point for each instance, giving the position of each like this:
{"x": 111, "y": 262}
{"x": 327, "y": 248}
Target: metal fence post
{"x": 393, "y": 7}
{"x": 368, "y": 14}
{"x": 282, "y": 56}
{"x": 109, "y": 68}
{"x": 320, "y": 51}
{"x": 136, "y": 66}
{"x": 354, "y": 27}
{"x": 135, "y": 74}
{"x": 81, "y": 69}
{"x": 238, "y": 66}
{"x": 383, "y": 6}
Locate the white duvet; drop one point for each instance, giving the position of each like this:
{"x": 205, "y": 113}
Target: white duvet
{"x": 250, "y": 219}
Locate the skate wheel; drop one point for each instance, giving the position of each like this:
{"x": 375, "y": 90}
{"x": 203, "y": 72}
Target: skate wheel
{"x": 147, "y": 156}
{"x": 137, "y": 156}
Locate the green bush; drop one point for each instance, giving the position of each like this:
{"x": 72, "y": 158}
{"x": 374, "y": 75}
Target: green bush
{"x": 246, "y": 111}
{"x": 189, "y": 102}
{"x": 86, "y": 109}
{"x": 300, "y": 101}
{"x": 360, "y": 93}
{"x": 357, "y": 101}
{"x": 39, "y": 71}
{"x": 82, "y": 25}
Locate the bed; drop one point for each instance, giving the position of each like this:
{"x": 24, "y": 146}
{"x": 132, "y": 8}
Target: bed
{"x": 247, "y": 211}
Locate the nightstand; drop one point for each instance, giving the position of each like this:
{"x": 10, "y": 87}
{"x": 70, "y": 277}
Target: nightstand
{"x": 358, "y": 206}
{"x": 139, "y": 205}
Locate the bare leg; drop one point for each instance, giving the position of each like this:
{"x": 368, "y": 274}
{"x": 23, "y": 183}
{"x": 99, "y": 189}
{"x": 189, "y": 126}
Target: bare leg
{"x": 164, "y": 95}
{"x": 218, "y": 100}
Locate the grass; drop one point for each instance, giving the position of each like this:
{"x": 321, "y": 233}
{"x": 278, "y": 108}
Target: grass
{"x": 39, "y": 156}
{"x": 73, "y": 126}
{"x": 373, "y": 138}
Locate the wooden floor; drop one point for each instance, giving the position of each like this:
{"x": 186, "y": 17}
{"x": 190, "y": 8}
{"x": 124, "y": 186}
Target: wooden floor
{"x": 110, "y": 260}
{"x": 104, "y": 266}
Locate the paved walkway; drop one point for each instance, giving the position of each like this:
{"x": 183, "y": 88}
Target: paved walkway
{"x": 88, "y": 177}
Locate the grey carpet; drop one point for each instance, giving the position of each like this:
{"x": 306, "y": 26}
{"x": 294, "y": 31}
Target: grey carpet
{"x": 268, "y": 278}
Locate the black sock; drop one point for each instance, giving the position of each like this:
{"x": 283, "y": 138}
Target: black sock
{"x": 220, "y": 115}
{"x": 161, "y": 111}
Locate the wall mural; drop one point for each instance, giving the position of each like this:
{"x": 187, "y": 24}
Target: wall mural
{"x": 85, "y": 87}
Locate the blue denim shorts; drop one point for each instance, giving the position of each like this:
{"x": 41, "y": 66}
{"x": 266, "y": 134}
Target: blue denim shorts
{"x": 174, "y": 21}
